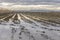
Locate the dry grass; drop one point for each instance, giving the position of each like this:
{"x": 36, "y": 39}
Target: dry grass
{"x": 47, "y": 16}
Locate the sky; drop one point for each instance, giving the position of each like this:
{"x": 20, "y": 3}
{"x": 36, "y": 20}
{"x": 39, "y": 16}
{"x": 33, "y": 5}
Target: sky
{"x": 31, "y": 4}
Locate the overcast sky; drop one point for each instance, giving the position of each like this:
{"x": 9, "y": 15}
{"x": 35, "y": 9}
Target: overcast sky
{"x": 31, "y": 4}
{"x": 34, "y": 2}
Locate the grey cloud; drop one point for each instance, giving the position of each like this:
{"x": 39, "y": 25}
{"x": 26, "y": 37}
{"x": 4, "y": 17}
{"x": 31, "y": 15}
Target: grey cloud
{"x": 31, "y": 0}
{"x": 27, "y": 2}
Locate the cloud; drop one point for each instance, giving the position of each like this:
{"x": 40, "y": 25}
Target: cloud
{"x": 34, "y": 7}
{"x": 32, "y": 2}
{"x": 6, "y": 4}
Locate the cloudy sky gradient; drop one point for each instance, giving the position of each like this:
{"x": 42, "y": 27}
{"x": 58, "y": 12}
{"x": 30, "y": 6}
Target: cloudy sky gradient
{"x": 31, "y": 4}
{"x": 32, "y": 1}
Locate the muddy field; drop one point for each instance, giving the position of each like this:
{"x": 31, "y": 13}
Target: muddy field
{"x": 53, "y": 17}
{"x": 30, "y": 26}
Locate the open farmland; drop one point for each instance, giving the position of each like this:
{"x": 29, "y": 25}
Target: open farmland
{"x": 53, "y": 17}
{"x": 30, "y": 26}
